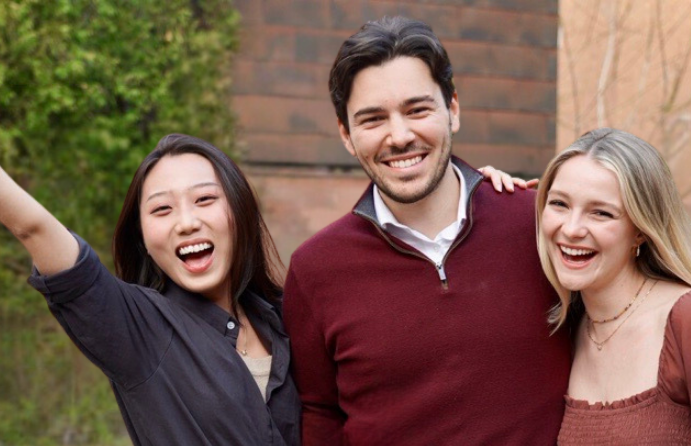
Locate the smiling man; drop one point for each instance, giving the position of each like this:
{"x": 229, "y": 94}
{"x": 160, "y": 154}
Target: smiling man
{"x": 420, "y": 318}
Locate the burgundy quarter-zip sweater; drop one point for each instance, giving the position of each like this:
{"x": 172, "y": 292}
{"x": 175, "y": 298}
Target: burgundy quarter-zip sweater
{"x": 384, "y": 353}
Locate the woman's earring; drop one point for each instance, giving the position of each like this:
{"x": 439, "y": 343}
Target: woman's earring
{"x": 638, "y": 250}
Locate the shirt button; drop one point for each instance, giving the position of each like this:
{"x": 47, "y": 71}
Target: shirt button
{"x": 230, "y": 325}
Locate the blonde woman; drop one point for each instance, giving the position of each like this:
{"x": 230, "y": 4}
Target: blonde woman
{"x": 614, "y": 240}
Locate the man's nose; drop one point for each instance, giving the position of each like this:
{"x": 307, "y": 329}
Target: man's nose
{"x": 400, "y": 133}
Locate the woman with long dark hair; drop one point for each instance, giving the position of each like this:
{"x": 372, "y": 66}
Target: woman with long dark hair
{"x": 189, "y": 332}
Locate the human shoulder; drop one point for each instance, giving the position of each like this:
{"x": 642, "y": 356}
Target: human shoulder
{"x": 680, "y": 312}
{"x": 515, "y": 209}
{"x": 335, "y": 235}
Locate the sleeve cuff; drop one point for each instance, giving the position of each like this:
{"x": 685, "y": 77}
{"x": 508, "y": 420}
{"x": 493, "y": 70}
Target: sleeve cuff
{"x": 71, "y": 283}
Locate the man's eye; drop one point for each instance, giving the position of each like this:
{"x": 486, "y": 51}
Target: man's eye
{"x": 419, "y": 110}
{"x": 371, "y": 120}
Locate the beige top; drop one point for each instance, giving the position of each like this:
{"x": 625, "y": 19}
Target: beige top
{"x": 260, "y": 368}
{"x": 657, "y": 416}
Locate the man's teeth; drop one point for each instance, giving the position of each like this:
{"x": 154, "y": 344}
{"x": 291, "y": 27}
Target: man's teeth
{"x": 576, "y": 252}
{"x": 405, "y": 163}
{"x": 194, "y": 248}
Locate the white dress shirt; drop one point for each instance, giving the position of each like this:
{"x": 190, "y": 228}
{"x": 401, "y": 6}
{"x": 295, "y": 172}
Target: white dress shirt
{"x": 435, "y": 249}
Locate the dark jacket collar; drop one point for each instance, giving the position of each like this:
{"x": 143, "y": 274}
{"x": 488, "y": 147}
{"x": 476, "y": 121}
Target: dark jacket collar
{"x": 365, "y": 206}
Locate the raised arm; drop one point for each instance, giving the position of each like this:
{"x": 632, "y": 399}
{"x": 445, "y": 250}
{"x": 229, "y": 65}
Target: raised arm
{"x": 52, "y": 247}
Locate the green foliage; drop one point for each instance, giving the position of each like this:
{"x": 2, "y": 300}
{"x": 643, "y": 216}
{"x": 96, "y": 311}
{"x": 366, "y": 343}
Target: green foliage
{"x": 87, "y": 87}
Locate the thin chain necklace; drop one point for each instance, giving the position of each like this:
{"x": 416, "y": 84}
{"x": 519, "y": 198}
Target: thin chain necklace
{"x": 589, "y": 322}
{"x": 602, "y": 321}
{"x": 243, "y": 351}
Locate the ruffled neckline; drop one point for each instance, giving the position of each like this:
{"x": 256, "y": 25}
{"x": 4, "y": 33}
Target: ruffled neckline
{"x": 647, "y": 396}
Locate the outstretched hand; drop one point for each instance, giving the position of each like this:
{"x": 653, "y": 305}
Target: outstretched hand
{"x": 501, "y": 180}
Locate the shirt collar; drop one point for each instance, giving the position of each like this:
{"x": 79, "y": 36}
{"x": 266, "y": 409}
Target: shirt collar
{"x": 385, "y": 217}
{"x": 216, "y": 316}
{"x": 200, "y": 306}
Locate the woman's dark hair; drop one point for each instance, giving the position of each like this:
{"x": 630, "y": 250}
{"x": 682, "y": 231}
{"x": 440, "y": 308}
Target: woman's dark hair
{"x": 383, "y": 40}
{"x": 255, "y": 263}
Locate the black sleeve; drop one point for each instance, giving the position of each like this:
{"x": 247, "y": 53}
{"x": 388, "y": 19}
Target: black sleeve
{"x": 120, "y": 327}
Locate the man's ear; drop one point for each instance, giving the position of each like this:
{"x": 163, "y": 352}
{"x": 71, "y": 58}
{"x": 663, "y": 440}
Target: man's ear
{"x": 455, "y": 113}
{"x": 345, "y": 137}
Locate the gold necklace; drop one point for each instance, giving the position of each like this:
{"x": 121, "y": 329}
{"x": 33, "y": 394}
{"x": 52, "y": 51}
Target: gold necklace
{"x": 243, "y": 351}
{"x": 588, "y": 322}
{"x": 602, "y": 321}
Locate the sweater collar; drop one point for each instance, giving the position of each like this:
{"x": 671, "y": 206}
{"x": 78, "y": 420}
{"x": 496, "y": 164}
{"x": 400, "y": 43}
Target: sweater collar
{"x": 365, "y": 206}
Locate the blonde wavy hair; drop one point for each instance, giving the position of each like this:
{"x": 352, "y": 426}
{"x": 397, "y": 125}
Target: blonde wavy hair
{"x": 650, "y": 198}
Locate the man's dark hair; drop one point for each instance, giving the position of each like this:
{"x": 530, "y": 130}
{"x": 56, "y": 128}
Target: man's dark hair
{"x": 383, "y": 40}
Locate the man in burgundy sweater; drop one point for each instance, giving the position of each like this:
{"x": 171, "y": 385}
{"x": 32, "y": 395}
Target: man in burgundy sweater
{"x": 420, "y": 318}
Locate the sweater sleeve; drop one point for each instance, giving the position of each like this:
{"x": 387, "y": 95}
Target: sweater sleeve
{"x": 675, "y": 367}
{"x": 314, "y": 370}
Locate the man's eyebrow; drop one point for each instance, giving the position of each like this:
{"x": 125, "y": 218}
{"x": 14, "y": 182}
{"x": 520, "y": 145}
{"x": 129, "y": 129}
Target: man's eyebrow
{"x": 196, "y": 186}
{"x": 417, "y": 99}
{"x": 367, "y": 111}
{"x": 408, "y": 102}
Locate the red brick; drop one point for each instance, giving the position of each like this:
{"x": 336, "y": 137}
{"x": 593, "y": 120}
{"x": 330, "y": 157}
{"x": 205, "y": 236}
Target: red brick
{"x": 537, "y": 6}
{"x": 280, "y": 79}
{"x": 506, "y": 94}
{"x": 317, "y": 47}
{"x": 297, "y": 203}
{"x": 301, "y": 13}
{"x": 250, "y": 12}
{"x": 527, "y": 161}
{"x": 496, "y": 60}
{"x": 350, "y": 15}
{"x": 295, "y": 149}
{"x": 273, "y": 114}
{"x": 480, "y": 25}
{"x": 496, "y": 127}
{"x": 263, "y": 43}
{"x": 507, "y": 27}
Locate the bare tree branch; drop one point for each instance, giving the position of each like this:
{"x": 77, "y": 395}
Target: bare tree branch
{"x": 607, "y": 62}
{"x": 645, "y": 70}
{"x": 570, "y": 63}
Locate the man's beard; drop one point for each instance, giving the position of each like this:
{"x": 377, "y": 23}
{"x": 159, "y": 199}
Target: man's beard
{"x": 432, "y": 184}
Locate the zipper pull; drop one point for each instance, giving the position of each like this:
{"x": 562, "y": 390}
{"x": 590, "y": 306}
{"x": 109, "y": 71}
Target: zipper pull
{"x": 442, "y": 276}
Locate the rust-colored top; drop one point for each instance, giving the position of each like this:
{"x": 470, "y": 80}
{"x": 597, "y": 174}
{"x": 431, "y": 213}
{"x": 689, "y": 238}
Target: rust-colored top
{"x": 657, "y": 416}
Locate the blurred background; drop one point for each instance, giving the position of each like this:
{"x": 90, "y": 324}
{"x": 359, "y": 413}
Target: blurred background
{"x": 88, "y": 87}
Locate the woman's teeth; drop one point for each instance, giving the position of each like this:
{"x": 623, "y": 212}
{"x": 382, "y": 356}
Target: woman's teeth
{"x": 191, "y": 249}
{"x": 576, "y": 252}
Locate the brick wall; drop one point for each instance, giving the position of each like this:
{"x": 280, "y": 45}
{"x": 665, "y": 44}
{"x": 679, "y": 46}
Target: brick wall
{"x": 504, "y": 57}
